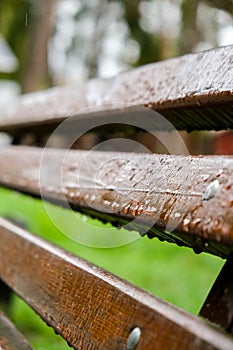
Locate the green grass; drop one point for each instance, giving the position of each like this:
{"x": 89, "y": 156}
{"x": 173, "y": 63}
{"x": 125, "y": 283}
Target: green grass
{"x": 167, "y": 271}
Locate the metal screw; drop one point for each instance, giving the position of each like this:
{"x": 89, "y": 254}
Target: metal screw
{"x": 133, "y": 339}
{"x": 210, "y": 190}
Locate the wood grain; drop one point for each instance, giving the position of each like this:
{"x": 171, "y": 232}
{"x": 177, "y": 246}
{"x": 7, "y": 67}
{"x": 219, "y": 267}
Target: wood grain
{"x": 10, "y": 337}
{"x": 89, "y": 307}
{"x": 166, "y": 196}
{"x": 193, "y": 92}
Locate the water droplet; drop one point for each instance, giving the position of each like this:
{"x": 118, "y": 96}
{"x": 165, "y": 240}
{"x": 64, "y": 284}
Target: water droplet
{"x": 133, "y": 208}
{"x": 197, "y": 250}
{"x": 84, "y": 218}
{"x": 140, "y": 209}
{"x": 220, "y": 172}
{"x": 196, "y": 221}
{"x": 205, "y": 177}
{"x": 150, "y": 210}
{"x": 115, "y": 205}
{"x": 186, "y": 221}
{"x": 126, "y": 209}
{"x": 210, "y": 190}
{"x": 177, "y": 215}
{"x": 93, "y": 197}
{"x": 72, "y": 185}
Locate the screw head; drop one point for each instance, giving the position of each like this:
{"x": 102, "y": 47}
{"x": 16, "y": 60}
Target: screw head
{"x": 133, "y": 339}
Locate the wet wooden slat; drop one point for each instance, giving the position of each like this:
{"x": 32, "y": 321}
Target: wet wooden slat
{"x": 10, "y": 337}
{"x": 183, "y": 199}
{"x": 218, "y": 307}
{"x": 193, "y": 92}
{"x": 91, "y": 308}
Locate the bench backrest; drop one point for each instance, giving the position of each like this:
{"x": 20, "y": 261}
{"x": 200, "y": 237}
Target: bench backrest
{"x": 179, "y": 198}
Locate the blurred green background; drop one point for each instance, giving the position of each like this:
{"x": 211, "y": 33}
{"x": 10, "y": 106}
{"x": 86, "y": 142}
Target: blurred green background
{"x": 54, "y": 42}
{"x": 68, "y": 41}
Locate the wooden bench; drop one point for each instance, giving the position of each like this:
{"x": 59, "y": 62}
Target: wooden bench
{"x": 178, "y": 198}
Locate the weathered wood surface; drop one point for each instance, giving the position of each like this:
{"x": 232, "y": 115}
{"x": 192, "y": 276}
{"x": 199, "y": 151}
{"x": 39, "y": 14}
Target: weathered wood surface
{"x": 193, "y": 92}
{"x": 182, "y": 199}
{"x": 218, "y": 307}
{"x": 91, "y": 308}
{"x": 10, "y": 337}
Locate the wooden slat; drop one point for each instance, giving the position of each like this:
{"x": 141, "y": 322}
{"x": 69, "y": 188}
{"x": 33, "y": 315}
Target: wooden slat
{"x": 91, "y": 308}
{"x": 183, "y": 199}
{"x": 10, "y": 337}
{"x": 218, "y": 307}
{"x": 193, "y": 92}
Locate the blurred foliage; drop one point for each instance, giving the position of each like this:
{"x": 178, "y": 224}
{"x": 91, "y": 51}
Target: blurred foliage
{"x": 13, "y": 14}
{"x": 226, "y": 5}
{"x": 190, "y": 34}
{"x": 23, "y": 24}
{"x": 148, "y": 43}
{"x": 17, "y": 25}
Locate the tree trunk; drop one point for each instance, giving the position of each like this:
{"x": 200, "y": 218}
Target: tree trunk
{"x": 36, "y": 74}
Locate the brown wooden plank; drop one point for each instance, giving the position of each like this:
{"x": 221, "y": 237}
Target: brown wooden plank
{"x": 193, "y": 92}
{"x": 218, "y": 307}
{"x": 91, "y": 308}
{"x": 183, "y": 199}
{"x": 10, "y": 337}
